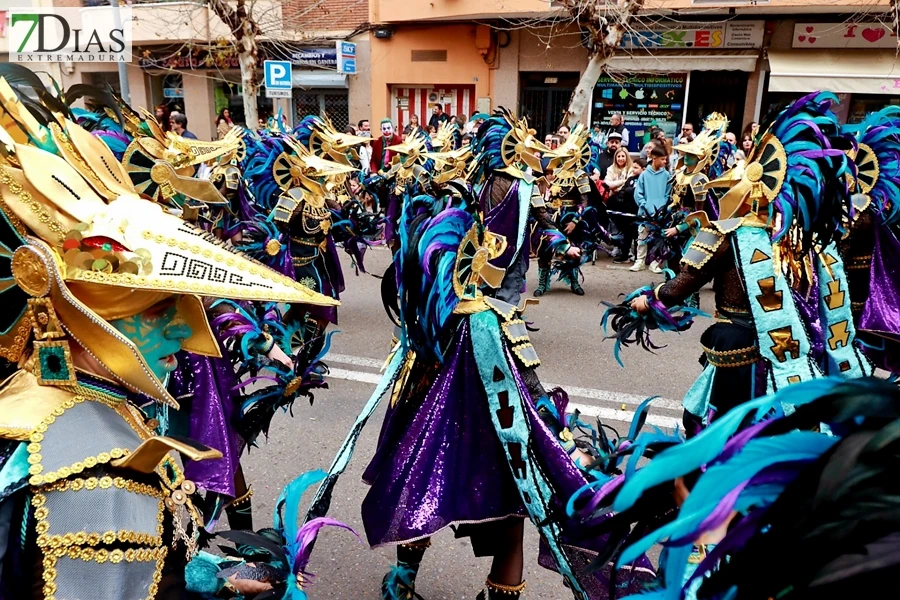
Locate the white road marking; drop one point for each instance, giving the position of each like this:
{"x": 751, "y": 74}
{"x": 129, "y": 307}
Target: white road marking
{"x": 588, "y": 410}
{"x": 359, "y": 361}
{"x": 372, "y": 378}
{"x": 573, "y": 391}
{"x": 626, "y": 416}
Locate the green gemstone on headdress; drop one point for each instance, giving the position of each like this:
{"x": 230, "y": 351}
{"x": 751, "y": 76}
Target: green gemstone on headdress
{"x": 53, "y": 363}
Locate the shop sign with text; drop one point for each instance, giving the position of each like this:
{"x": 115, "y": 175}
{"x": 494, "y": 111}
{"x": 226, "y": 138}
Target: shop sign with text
{"x": 844, "y": 35}
{"x": 220, "y": 58}
{"x": 316, "y": 57}
{"x": 681, "y": 36}
{"x": 646, "y": 101}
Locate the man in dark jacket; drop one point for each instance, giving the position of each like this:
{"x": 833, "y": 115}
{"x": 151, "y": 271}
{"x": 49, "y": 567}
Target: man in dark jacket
{"x": 438, "y": 116}
{"x": 613, "y": 142}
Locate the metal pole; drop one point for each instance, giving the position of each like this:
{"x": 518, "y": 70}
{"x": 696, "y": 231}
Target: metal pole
{"x": 123, "y": 68}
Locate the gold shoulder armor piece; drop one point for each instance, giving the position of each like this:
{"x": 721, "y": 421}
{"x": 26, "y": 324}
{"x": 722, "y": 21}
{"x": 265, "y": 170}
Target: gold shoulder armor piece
{"x": 146, "y": 457}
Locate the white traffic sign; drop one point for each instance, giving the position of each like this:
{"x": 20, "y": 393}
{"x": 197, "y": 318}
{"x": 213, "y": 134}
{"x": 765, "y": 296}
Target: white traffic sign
{"x": 346, "y": 57}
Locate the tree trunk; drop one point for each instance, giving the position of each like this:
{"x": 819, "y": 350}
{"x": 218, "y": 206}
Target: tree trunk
{"x": 244, "y": 31}
{"x": 581, "y": 97}
{"x": 247, "y": 59}
{"x": 606, "y": 22}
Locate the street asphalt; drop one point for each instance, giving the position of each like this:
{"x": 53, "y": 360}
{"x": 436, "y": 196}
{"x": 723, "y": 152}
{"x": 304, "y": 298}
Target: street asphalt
{"x": 574, "y": 355}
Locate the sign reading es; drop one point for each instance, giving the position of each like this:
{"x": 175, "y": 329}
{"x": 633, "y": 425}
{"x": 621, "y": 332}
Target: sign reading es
{"x": 736, "y": 34}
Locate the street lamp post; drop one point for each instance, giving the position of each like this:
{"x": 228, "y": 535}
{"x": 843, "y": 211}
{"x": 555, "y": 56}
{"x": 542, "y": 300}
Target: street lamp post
{"x": 123, "y": 68}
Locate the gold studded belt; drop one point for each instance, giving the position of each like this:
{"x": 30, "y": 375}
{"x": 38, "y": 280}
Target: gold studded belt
{"x": 305, "y": 241}
{"x": 858, "y": 263}
{"x": 732, "y": 358}
{"x": 302, "y": 261}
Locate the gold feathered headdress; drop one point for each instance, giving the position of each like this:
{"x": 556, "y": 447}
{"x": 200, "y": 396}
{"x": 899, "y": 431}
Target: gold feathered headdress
{"x": 79, "y": 238}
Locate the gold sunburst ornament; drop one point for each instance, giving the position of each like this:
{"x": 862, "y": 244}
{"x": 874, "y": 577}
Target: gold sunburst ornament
{"x": 473, "y": 268}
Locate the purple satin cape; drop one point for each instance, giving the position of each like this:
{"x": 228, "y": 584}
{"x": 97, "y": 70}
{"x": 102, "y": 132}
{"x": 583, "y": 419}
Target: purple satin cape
{"x": 881, "y": 314}
{"x": 503, "y": 219}
{"x": 205, "y": 386}
{"x": 879, "y": 323}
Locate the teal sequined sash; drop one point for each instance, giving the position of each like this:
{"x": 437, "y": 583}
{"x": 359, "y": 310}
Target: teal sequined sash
{"x": 508, "y": 413}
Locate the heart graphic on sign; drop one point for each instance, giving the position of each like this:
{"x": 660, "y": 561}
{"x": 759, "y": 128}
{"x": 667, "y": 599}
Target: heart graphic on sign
{"x": 812, "y": 40}
{"x": 801, "y": 38}
{"x": 873, "y": 35}
{"x": 809, "y": 29}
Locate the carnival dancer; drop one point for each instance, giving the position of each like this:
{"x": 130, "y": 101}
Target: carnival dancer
{"x": 160, "y": 164}
{"x": 463, "y": 391}
{"x": 353, "y": 227}
{"x": 303, "y": 209}
{"x": 759, "y": 486}
{"x": 872, "y": 251}
{"x": 206, "y": 387}
{"x": 577, "y": 202}
{"x": 408, "y": 175}
{"x": 700, "y": 159}
{"x": 781, "y": 314}
{"x": 703, "y": 158}
{"x": 104, "y": 290}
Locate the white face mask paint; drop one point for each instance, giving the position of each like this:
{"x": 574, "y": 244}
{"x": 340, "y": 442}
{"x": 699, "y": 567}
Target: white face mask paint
{"x": 387, "y": 129}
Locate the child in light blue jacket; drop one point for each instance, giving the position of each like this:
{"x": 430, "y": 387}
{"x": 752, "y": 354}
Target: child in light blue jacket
{"x": 651, "y": 193}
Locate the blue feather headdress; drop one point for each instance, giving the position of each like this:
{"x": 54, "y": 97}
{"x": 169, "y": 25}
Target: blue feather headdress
{"x": 305, "y": 127}
{"x": 424, "y": 269}
{"x": 772, "y": 478}
{"x": 813, "y": 198}
{"x": 878, "y": 162}
{"x": 796, "y": 179}
{"x": 488, "y": 144}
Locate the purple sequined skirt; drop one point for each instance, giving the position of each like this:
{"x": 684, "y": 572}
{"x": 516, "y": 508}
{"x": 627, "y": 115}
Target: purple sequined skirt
{"x": 879, "y": 323}
{"x": 439, "y": 461}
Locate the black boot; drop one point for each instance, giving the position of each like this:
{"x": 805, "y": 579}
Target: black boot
{"x": 400, "y": 582}
{"x": 576, "y": 287}
{"x": 240, "y": 513}
{"x": 543, "y": 281}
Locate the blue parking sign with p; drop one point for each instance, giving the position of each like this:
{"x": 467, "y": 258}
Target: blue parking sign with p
{"x": 277, "y": 74}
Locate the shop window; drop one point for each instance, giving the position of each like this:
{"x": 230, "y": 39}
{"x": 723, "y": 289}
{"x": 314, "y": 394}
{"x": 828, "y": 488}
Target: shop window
{"x": 104, "y": 80}
{"x": 173, "y": 91}
{"x": 545, "y": 98}
{"x": 717, "y": 91}
{"x": 863, "y": 104}
{"x": 332, "y": 103}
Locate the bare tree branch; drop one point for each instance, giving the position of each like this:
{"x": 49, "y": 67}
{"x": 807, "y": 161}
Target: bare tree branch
{"x": 606, "y": 22}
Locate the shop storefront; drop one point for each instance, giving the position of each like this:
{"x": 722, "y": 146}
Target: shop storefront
{"x": 318, "y": 87}
{"x": 856, "y": 61}
{"x": 679, "y": 73}
{"x": 420, "y": 100}
{"x": 200, "y": 82}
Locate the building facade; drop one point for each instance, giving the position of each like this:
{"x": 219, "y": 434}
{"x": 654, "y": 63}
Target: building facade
{"x": 183, "y": 59}
{"x": 683, "y": 60}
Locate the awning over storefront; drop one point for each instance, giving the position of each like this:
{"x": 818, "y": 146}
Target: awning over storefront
{"x": 841, "y": 71}
{"x": 683, "y": 61}
{"x": 318, "y": 79}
